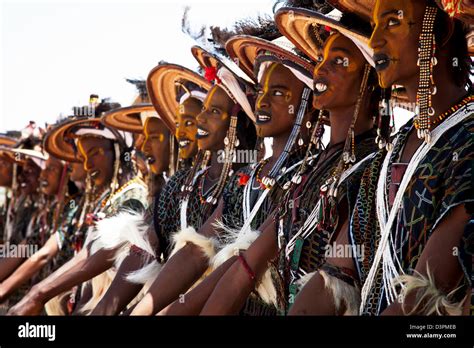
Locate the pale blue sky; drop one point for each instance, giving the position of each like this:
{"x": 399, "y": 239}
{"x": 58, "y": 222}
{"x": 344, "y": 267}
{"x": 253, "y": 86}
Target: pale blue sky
{"x": 55, "y": 53}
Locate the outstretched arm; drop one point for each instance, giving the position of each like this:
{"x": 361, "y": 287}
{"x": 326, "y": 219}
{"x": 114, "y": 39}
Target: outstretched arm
{"x": 194, "y": 300}
{"x": 235, "y": 286}
{"x": 81, "y": 268}
{"x": 121, "y": 292}
{"x": 29, "y": 268}
{"x": 9, "y": 264}
{"x": 179, "y": 273}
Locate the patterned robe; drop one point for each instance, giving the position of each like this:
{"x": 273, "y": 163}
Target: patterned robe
{"x": 442, "y": 181}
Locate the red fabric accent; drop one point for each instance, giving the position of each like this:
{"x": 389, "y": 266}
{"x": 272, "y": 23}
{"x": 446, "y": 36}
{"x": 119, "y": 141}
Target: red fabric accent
{"x": 398, "y": 171}
{"x": 247, "y": 268}
{"x": 243, "y": 179}
{"x": 210, "y": 73}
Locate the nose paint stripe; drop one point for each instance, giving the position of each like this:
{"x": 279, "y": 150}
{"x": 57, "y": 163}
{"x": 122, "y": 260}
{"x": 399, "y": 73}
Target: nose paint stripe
{"x": 266, "y": 83}
{"x": 83, "y": 153}
{"x": 209, "y": 98}
{"x": 325, "y": 53}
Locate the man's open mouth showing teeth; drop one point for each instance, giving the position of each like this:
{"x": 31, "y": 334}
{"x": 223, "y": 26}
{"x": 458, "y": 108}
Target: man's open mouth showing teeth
{"x": 184, "y": 143}
{"x": 321, "y": 87}
{"x": 44, "y": 183}
{"x": 94, "y": 173}
{"x": 23, "y": 184}
{"x": 381, "y": 61}
{"x": 263, "y": 117}
{"x": 202, "y": 133}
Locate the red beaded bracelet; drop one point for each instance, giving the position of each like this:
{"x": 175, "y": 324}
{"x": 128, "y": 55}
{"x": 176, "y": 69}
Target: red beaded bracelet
{"x": 247, "y": 267}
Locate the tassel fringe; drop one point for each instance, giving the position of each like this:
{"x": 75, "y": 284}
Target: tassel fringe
{"x": 189, "y": 235}
{"x": 429, "y": 299}
{"x": 343, "y": 294}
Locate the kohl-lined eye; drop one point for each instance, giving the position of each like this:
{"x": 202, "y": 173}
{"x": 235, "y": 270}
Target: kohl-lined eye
{"x": 393, "y": 22}
{"x": 339, "y": 61}
{"x": 177, "y": 125}
{"x": 215, "y": 111}
{"x": 319, "y": 59}
{"x": 277, "y": 93}
{"x": 188, "y": 123}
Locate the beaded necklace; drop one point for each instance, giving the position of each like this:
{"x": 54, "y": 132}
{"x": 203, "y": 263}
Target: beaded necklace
{"x": 117, "y": 193}
{"x": 440, "y": 118}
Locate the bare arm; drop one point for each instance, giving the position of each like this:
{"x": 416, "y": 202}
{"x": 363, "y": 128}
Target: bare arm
{"x": 9, "y": 264}
{"x": 81, "y": 268}
{"x": 189, "y": 263}
{"x": 29, "y": 268}
{"x": 315, "y": 298}
{"x": 121, "y": 291}
{"x": 193, "y": 302}
{"x": 235, "y": 286}
{"x": 440, "y": 257}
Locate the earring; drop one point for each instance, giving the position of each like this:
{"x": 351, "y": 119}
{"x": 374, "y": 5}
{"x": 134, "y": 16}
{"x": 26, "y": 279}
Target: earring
{"x": 427, "y": 88}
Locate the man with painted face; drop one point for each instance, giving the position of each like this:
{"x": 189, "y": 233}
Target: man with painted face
{"x": 105, "y": 154}
{"x": 279, "y": 104}
{"x": 429, "y": 189}
{"x": 221, "y": 127}
{"x": 177, "y": 95}
{"x": 53, "y": 184}
{"x": 157, "y": 146}
{"x": 6, "y": 180}
{"x": 305, "y": 214}
{"x": 22, "y": 219}
{"x": 430, "y": 186}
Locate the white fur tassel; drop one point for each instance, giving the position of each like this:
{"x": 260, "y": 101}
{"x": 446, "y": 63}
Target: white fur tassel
{"x": 236, "y": 240}
{"x": 429, "y": 299}
{"x": 58, "y": 304}
{"x": 189, "y": 235}
{"x": 120, "y": 232}
{"x": 100, "y": 284}
{"x": 304, "y": 279}
{"x": 146, "y": 274}
{"x": 343, "y": 294}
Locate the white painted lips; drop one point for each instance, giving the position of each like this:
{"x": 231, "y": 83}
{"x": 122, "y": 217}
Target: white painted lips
{"x": 184, "y": 143}
{"x": 202, "y": 132}
{"x": 321, "y": 87}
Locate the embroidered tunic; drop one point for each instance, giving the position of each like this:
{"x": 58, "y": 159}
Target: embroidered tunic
{"x": 442, "y": 181}
{"x": 233, "y": 212}
{"x": 167, "y": 209}
{"x": 309, "y": 253}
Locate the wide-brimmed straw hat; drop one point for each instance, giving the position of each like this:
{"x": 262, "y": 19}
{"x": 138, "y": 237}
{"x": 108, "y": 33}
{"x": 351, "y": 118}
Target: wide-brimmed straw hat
{"x": 457, "y": 9}
{"x": 234, "y": 80}
{"x": 131, "y": 118}
{"x": 251, "y": 51}
{"x": 302, "y": 28}
{"x": 169, "y": 85}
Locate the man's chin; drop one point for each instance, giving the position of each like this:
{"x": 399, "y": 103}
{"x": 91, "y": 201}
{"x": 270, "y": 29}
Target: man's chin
{"x": 386, "y": 79}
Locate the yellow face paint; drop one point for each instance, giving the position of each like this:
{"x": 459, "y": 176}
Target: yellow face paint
{"x": 145, "y": 132}
{"x": 325, "y": 53}
{"x": 266, "y": 83}
{"x": 83, "y": 153}
{"x": 207, "y": 102}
